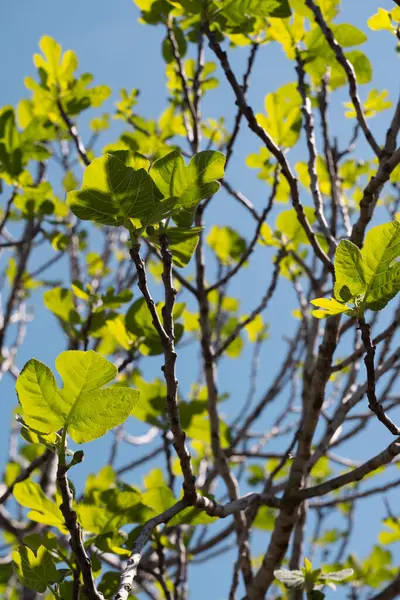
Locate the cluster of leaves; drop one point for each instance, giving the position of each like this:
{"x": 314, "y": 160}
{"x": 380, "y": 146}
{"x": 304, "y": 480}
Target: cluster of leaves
{"x": 123, "y": 189}
{"x": 368, "y": 278}
{"x": 311, "y": 580}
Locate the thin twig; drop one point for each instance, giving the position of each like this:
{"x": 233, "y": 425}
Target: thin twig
{"x": 130, "y": 570}
{"x": 312, "y": 154}
{"x": 239, "y": 114}
{"x": 224, "y": 280}
{"x": 371, "y": 380}
{"x": 74, "y": 134}
{"x": 262, "y": 306}
{"x": 25, "y": 473}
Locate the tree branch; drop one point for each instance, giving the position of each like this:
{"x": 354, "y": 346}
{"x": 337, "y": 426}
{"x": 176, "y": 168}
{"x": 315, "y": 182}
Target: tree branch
{"x": 349, "y": 70}
{"x": 356, "y": 474}
{"x": 75, "y": 531}
{"x": 166, "y": 335}
{"x": 371, "y": 380}
{"x": 270, "y": 145}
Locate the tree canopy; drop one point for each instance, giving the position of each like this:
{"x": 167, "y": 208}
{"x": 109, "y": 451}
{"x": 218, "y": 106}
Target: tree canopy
{"x": 282, "y": 323}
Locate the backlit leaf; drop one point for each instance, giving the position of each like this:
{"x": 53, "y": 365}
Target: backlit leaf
{"x": 83, "y": 405}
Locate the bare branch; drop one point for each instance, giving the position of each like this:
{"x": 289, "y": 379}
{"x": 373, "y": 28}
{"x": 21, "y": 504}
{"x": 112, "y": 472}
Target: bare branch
{"x": 356, "y": 474}
{"x": 130, "y": 570}
{"x": 379, "y": 489}
{"x": 371, "y": 380}
{"x": 270, "y": 145}
{"x": 387, "y": 333}
{"x": 370, "y": 196}
{"x": 349, "y": 70}
{"x": 312, "y": 154}
{"x": 193, "y": 131}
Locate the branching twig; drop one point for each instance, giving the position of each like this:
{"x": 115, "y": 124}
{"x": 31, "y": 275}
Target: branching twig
{"x": 388, "y": 332}
{"x": 224, "y": 280}
{"x": 193, "y": 131}
{"x": 239, "y": 114}
{"x": 312, "y": 154}
{"x": 130, "y": 570}
{"x": 263, "y": 304}
{"x": 350, "y": 74}
{"x": 270, "y": 145}
{"x": 74, "y": 134}
{"x": 370, "y": 196}
{"x": 166, "y": 335}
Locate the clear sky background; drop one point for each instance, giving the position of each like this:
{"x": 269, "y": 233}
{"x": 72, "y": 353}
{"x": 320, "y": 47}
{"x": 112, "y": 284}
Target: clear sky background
{"x": 111, "y": 44}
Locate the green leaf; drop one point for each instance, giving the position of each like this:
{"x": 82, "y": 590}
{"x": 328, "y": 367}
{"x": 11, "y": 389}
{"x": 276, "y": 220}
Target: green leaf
{"x": 110, "y": 510}
{"x": 189, "y": 184}
{"x": 381, "y": 248}
{"x": 288, "y": 224}
{"x": 361, "y": 65}
{"x": 237, "y": 12}
{"x": 180, "y": 39}
{"x": 348, "y": 35}
{"x": 227, "y": 244}
{"x": 388, "y": 537}
{"x": 59, "y": 68}
{"x": 11, "y": 158}
{"x": 381, "y": 20}
{"x": 337, "y": 575}
{"x": 307, "y": 565}
{"x": 283, "y": 120}
{"x": 60, "y": 302}
{"x": 104, "y": 480}
{"x": 349, "y": 273}
{"x": 139, "y": 322}
{"x": 182, "y": 243}
{"x": 111, "y": 193}
{"x": 34, "y": 571}
{"x": 43, "y": 510}
{"x": 51, "y": 440}
{"x": 152, "y": 401}
{"x": 265, "y": 519}
{"x": 45, "y": 538}
{"x": 291, "y": 579}
{"x": 330, "y": 307}
{"x": 83, "y": 406}
{"x": 158, "y": 499}
{"x": 319, "y": 57}
{"x": 257, "y": 330}
{"x": 375, "y": 102}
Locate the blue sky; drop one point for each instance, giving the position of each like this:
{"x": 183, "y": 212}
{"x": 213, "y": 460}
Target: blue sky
{"x": 120, "y": 52}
